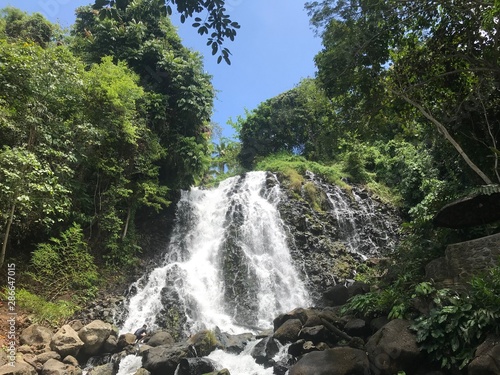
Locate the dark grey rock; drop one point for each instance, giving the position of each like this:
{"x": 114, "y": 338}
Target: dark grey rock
{"x": 393, "y": 348}
{"x": 336, "y": 361}
{"x": 288, "y": 331}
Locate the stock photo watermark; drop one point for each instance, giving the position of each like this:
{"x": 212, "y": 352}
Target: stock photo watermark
{"x": 11, "y": 314}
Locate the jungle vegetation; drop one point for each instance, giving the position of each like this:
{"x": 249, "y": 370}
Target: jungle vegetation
{"x": 110, "y": 120}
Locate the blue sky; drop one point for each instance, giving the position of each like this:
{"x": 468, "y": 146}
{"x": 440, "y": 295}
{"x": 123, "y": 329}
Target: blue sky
{"x": 273, "y": 51}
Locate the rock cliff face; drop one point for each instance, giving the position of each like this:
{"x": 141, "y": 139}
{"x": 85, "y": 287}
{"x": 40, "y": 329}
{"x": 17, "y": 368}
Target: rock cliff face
{"x": 331, "y": 231}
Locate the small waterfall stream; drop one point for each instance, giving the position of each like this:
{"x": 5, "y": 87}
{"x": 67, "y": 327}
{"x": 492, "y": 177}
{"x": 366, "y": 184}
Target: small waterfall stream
{"x": 227, "y": 265}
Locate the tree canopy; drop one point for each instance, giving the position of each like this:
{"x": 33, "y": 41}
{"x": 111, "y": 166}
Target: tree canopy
{"x": 216, "y": 24}
{"x": 436, "y": 61}
{"x": 97, "y": 126}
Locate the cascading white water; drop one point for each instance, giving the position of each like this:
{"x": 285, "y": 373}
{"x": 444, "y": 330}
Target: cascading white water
{"x": 362, "y": 229}
{"x": 227, "y": 264}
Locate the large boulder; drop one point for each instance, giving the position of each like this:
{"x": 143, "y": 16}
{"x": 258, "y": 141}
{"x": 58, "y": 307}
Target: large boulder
{"x": 110, "y": 345}
{"x": 44, "y": 357}
{"x": 487, "y": 358}
{"x": 66, "y": 341}
{"x": 336, "y": 361}
{"x": 164, "y": 360}
{"x": 19, "y": 368}
{"x": 393, "y": 348}
{"x": 265, "y": 350}
{"x": 30, "y": 359}
{"x": 356, "y": 327}
{"x": 288, "y": 331}
{"x": 54, "y": 367}
{"x": 234, "y": 343}
{"x": 125, "y": 340}
{"x": 94, "y": 335}
{"x": 37, "y": 336}
{"x": 336, "y": 295}
{"x": 204, "y": 342}
{"x": 196, "y": 366}
{"x": 298, "y": 313}
{"x": 224, "y": 371}
{"x": 316, "y": 334}
{"x": 161, "y": 338}
{"x": 106, "y": 369}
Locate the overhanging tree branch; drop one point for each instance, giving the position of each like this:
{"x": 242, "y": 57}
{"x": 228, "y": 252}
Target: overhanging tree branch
{"x": 442, "y": 129}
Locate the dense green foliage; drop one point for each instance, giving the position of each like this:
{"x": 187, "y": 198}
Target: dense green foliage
{"x": 64, "y": 266}
{"x": 45, "y": 312}
{"x": 178, "y": 96}
{"x": 86, "y": 139}
{"x": 425, "y": 69}
{"x": 456, "y": 324}
{"x": 216, "y": 19}
{"x": 107, "y": 123}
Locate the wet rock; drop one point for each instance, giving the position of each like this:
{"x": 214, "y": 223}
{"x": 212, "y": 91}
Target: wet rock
{"x": 393, "y": 348}
{"x": 298, "y": 313}
{"x": 302, "y": 347}
{"x": 265, "y": 350}
{"x": 142, "y": 371}
{"x": 356, "y": 288}
{"x": 288, "y": 331}
{"x": 377, "y": 323}
{"x": 66, "y": 341}
{"x": 106, "y": 369}
{"x": 224, "y": 371}
{"x": 356, "y": 327}
{"x": 195, "y": 366}
{"x": 234, "y": 343}
{"x": 125, "y": 340}
{"x": 336, "y": 361}
{"x": 164, "y": 361}
{"x": 336, "y": 295}
{"x": 110, "y": 345}
{"x": 487, "y": 358}
{"x": 161, "y": 338}
{"x": 316, "y": 334}
{"x": 204, "y": 342}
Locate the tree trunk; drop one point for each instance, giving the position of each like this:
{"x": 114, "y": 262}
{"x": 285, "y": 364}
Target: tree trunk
{"x": 442, "y": 129}
{"x": 129, "y": 214}
{"x": 6, "y": 235}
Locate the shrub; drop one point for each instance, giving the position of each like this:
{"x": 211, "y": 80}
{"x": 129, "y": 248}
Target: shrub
{"x": 42, "y": 311}
{"x": 64, "y": 266}
{"x": 456, "y": 324}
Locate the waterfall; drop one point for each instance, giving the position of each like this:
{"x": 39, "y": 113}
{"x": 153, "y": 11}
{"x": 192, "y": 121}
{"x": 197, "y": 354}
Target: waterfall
{"x": 363, "y": 224}
{"x": 227, "y": 264}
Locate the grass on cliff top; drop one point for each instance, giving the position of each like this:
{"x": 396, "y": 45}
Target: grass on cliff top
{"x": 294, "y": 167}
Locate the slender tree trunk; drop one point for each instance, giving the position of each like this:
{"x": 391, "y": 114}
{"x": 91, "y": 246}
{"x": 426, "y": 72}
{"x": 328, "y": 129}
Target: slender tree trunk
{"x": 129, "y": 214}
{"x": 7, "y": 232}
{"x": 442, "y": 129}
